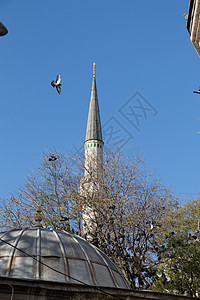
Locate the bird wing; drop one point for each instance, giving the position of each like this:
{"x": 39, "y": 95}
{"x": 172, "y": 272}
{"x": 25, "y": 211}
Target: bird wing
{"x": 58, "y": 79}
{"x": 58, "y": 87}
{"x": 195, "y": 92}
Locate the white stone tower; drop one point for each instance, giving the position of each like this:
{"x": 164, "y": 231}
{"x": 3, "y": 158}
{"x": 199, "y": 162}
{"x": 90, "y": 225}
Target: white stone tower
{"x": 93, "y": 160}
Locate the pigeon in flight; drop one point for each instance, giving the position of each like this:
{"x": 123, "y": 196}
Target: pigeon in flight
{"x": 196, "y": 92}
{"x": 57, "y": 84}
{"x": 52, "y": 157}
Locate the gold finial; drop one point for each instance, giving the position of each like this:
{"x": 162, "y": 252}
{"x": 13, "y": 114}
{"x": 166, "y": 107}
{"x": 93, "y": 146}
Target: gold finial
{"x": 38, "y": 217}
{"x": 93, "y": 69}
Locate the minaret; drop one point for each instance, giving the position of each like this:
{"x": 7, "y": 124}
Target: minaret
{"x": 94, "y": 141}
{"x": 93, "y": 161}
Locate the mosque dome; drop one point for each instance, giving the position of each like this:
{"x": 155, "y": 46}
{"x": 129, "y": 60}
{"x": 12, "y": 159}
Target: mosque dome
{"x": 35, "y": 254}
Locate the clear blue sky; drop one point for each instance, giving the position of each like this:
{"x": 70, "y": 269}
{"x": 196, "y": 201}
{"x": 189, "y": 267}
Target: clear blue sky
{"x": 138, "y": 46}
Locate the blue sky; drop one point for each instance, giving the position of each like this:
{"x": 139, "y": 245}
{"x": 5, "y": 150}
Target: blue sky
{"x": 141, "y": 49}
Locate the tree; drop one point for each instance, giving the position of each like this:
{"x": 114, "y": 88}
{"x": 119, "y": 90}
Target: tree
{"x": 189, "y": 214}
{"x": 53, "y": 185}
{"x": 179, "y": 272}
{"x": 131, "y": 209}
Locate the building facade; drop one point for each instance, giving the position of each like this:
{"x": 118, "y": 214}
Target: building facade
{"x": 193, "y": 23}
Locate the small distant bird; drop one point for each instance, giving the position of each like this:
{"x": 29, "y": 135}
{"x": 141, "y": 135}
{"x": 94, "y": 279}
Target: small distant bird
{"x": 52, "y": 157}
{"x": 64, "y": 219}
{"x": 57, "y": 84}
{"x": 196, "y": 92}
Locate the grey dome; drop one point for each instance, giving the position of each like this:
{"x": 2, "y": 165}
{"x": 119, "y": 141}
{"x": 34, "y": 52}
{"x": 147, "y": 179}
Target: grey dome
{"x": 65, "y": 252}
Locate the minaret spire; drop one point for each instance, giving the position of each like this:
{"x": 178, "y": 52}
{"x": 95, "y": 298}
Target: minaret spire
{"x": 94, "y": 131}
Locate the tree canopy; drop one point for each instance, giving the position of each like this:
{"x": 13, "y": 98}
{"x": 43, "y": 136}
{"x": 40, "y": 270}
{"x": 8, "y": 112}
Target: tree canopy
{"x": 131, "y": 208}
{"x": 179, "y": 270}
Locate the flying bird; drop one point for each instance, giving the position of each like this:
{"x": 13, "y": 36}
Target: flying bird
{"x": 57, "y": 84}
{"x": 52, "y": 157}
{"x": 196, "y": 92}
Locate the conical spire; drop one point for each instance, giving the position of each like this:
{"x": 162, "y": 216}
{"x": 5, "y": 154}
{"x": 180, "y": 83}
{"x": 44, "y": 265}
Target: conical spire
{"x": 94, "y": 122}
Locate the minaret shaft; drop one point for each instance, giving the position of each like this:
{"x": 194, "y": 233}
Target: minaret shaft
{"x": 94, "y": 159}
